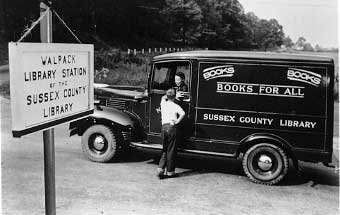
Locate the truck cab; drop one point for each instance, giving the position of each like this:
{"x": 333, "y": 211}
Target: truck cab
{"x": 266, "y": 107}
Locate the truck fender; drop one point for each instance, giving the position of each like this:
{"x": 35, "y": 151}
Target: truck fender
{"x": 110, "y": 117}
{"x": 255, "y": 138}
{"x": 114, "y": 115}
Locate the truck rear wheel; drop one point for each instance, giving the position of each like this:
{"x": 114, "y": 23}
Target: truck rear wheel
{"x": 265, "y": 163}
{"x": 99, "y": 144}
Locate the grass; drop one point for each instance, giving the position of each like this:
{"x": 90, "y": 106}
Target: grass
{"x": 123, "y": 74}
{"x": 4, "y": 81}
{"x": 4, "y": 89}
{"x": 117, "y": 68}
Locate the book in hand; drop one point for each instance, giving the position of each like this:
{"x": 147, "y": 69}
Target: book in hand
{"x": 183, "y": 96}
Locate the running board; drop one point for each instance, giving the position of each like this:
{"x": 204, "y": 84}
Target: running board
{"x": 144, "y": 145}
{"x": 158, "y": 146}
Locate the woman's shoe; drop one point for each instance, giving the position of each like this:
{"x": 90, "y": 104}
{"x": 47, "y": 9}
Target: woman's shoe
{"x": 171, "y": 175}
{"x": 160, "y": 173}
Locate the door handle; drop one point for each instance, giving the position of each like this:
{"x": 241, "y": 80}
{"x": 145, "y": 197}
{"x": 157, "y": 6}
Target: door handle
{"x": 158, "y": 110}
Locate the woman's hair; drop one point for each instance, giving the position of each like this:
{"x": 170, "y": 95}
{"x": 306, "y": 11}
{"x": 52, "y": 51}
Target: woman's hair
{"x": 171, "y": 93}
{"x": 181, "y": 75}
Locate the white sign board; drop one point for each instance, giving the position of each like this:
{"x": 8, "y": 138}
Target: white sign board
{"x": 50, "y": 84}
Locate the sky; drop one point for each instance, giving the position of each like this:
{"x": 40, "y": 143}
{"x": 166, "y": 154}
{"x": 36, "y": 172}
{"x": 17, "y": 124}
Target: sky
{"x": 315, "y": 20}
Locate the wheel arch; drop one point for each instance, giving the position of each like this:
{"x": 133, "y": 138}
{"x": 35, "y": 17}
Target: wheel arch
{"x": 112, "y": 119}
{"x": 257, "y": 138}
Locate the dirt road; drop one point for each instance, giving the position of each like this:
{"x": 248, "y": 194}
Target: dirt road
{"x": 205, "y": 185}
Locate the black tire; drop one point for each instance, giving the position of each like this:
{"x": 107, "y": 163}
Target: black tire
{"x": 265, "y": 163}
{"x": 99, "y": 144}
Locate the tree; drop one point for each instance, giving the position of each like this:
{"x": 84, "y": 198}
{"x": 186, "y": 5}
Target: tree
{"x": 300, "y": 42}
{"x": 222, "y": 24}
{"x": 308, "y": 47}
{"x": 264, "y": 33}
{"x": 287, "y": 42}
{"x": 268, "y": 34}
{"x": 184, "y": 20}
{"x": 17, "y": 16}
{"x": 251, "y": 22}
{"x": 318, "y": 48}
{"x": 218, "y": 24}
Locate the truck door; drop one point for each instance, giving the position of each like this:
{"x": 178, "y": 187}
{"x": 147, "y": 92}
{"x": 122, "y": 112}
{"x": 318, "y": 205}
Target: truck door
{"x": 163, "y": 78}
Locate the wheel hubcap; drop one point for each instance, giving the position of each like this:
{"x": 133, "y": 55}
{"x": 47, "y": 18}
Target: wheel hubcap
{"x": 99, "y": 142}
{"x": 265, "y": 162}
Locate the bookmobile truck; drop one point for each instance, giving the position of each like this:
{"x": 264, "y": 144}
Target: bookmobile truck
{"x": 266, "y": 107}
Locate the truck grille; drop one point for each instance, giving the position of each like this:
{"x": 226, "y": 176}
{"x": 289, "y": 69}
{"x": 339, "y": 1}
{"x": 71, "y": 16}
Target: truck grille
{"x": 116, "y": 103}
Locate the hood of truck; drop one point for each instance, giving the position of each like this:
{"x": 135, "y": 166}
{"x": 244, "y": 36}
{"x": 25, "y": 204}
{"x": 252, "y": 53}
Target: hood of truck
{"x": 130, "y": 92}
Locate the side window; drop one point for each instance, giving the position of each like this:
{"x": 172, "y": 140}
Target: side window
{"x": 164, "y": 74}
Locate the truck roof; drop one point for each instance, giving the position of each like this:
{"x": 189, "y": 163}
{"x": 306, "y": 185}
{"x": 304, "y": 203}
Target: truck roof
{"x": 243, "y": 55}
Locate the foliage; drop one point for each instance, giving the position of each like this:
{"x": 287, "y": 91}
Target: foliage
{"x": 217, "y": 24}
{"x": 265, "y": 33}
{"x": 116, "y": 68}
{"x": 308, "y": 47}
{"x": 222, "y": 25}
{"x": 123, "y": 74}
{"x": 184, "y": 20}
{"x": 288, "y": 42}
{"x": 300, "y": 42}
{"x": 4, "y": 89}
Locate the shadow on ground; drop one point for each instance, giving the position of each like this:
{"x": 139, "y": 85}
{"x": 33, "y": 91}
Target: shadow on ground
{"x": 310, "y": 174}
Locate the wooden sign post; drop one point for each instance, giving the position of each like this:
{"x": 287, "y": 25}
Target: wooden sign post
{"x": 48, "y": 135}
{"x": 50, "y": 84}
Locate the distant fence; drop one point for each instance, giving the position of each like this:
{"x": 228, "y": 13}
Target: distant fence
{"x": 160, "y": 50}
{"x": 110, "y": 58}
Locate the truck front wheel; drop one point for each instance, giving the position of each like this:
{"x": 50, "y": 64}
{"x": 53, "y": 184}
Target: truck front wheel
{"x": 99, "y": 143}
{"x": 265, "y": 163}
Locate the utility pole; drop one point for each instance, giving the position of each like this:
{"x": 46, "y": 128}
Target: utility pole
{"x": 48, "y": 135}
